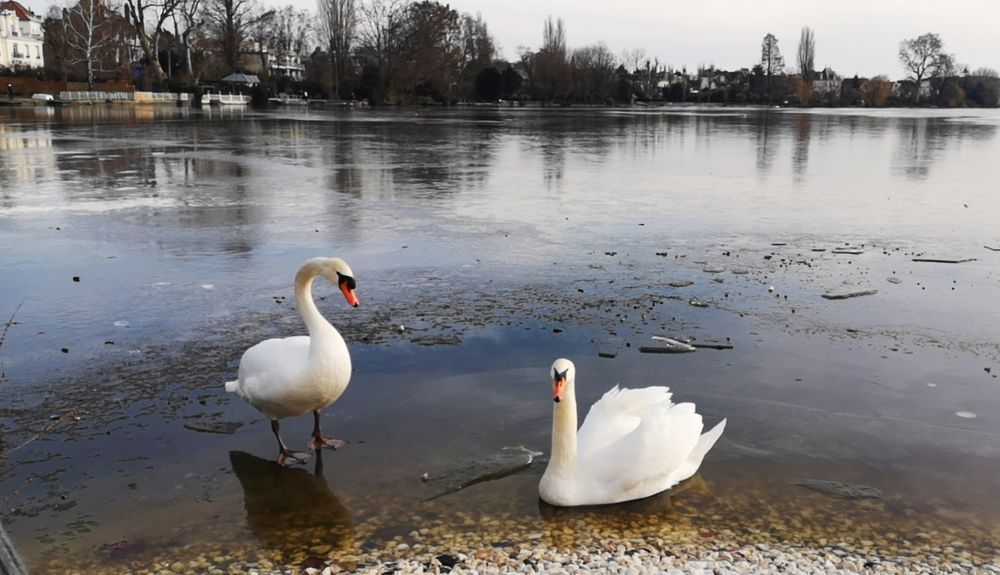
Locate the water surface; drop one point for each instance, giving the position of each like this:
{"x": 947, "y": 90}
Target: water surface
{"x": 147, "y": 248}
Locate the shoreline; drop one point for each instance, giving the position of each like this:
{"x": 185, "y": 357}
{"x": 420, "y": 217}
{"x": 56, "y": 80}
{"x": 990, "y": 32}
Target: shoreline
{"x": 565, "y": 550}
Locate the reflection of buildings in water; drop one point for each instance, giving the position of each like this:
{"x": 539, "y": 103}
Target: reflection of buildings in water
{"x": 344, "y": 177}
{"x": 26, "y": 157}
{"x": 283, "y": 503}
{"x": 116, "y": 114}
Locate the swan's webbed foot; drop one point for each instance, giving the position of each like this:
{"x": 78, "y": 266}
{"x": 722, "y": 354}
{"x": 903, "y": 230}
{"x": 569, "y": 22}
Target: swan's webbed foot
{"x": 288, "y": 457}
{"x": 320, "y": 441}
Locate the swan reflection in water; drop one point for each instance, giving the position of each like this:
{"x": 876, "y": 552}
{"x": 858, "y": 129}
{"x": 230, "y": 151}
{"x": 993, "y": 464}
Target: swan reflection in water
{"x": 291, "y": 508}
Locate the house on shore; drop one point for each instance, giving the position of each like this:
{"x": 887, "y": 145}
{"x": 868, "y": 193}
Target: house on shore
{"x": 21, "y": 37}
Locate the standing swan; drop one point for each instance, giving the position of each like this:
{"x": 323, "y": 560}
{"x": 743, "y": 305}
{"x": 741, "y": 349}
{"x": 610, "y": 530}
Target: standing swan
{"x": 634, "y": 443}
{"x": 283, "y": 377}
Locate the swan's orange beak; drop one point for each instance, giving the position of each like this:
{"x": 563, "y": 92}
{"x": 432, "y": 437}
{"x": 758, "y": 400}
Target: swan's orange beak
{"x": 558, "y": 388}
{"x": 349, "y": 294}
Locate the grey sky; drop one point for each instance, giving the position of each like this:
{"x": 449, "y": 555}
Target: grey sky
{"x": 852, "y": 36}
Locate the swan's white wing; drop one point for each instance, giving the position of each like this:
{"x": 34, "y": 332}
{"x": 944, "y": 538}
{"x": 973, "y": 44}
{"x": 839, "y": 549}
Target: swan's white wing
{"x": 271, "y": 375}
{"x": 646, "y": 460}
{"x": 617, "y": 414}
{"x": 693, "y": 461}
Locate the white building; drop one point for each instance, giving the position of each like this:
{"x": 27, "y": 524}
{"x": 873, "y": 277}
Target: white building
{"x": 21, "y": 37}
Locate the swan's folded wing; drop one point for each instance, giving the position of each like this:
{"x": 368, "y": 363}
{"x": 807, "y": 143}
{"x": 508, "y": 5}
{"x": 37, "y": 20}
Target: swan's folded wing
{"x": 644, "y": 461}
{"x": 617, "y": 414}
{"x": 272, "y": 367}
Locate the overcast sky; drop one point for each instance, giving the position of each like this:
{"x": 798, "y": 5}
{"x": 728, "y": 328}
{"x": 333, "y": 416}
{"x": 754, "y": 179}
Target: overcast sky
{"x": 852, "y": 36}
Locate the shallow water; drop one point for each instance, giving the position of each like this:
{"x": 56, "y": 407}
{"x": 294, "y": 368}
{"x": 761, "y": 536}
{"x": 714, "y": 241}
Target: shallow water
{"x": 499, "y": 239}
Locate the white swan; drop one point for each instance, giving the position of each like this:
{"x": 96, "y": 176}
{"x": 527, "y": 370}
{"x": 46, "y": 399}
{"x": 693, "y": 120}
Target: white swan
{"x": 634, "y": 443}
{"x": 290, "y": 376}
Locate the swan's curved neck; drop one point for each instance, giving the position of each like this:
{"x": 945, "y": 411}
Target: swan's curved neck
{"x": 316, "y": 324}
{"x": 563, "y": 458}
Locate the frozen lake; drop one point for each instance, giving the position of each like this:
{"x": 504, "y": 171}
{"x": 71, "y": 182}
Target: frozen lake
{"x": 147, "y": 248}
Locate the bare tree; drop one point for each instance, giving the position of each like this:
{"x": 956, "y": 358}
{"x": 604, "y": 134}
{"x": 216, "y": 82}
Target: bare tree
{"x": 232, "y": 24}
{"x": 593, "y": 72}
{"x": 380, "y": 30}
{"x": 771, "y": 61}
{"x": 632, "y": 58}
{"x": 289, "y": 30}
{"x": 187, "y": 19}
{"x": 147, "y": 18}
{"x": 552, "y": 70}
{"x": 876, "y": 91}
{"x": 923, "y": 58}
{"x": 554, "y": 37}
{"x": 478, "y": 50}
{"x": 432, "y": 47}
{"x": 88, "y": 29}
{"x": 337, "y": 23}
{"x": 807, "y": 54}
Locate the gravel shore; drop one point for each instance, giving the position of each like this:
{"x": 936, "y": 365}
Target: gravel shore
{"x": 625, "y": 560}
{"x": 574, "y": 544}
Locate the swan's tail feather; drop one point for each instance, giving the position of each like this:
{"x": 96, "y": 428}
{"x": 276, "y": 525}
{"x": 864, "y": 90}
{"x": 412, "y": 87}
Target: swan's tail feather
{"x": 705, "y": 443}
{"x": 233, "y": 386}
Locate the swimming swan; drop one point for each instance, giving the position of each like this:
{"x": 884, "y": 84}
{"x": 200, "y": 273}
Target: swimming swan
{"x": 634, "y": 443}
{"x": 285, "y": 377}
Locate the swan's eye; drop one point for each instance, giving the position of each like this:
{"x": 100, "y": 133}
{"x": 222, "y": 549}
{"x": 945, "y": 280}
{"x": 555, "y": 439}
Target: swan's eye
{"x": 341, "y": 279}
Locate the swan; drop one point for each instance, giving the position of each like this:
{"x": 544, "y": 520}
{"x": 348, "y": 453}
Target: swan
{"x": 634, "y": 443}
{"x": 285, "y": 377}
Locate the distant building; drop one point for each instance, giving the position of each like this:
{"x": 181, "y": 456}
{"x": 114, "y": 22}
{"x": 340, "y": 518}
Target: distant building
{"x": 21, "y": 37}
{"x": 826, "y": 81}
{"x": 288, "y": 64}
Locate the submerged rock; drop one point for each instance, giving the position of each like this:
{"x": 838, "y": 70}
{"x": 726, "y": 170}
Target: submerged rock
{"x": 840, "y": 489}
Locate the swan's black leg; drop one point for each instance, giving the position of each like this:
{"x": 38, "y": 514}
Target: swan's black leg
{"x": 285, "y": 454}
{"x": 319, "y": 440}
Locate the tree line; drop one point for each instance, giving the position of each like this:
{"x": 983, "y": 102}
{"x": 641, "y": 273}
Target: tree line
{"x": 408, "y": 51}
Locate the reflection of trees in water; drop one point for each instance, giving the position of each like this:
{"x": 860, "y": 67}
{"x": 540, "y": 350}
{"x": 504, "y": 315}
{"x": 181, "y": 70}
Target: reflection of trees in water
{"x": 585, "y": 137}
{"x": 921, "y": 142}
{"x": 411, "y": 159}
{"x": 767, "y": 143}
{"x": 283, "y": 504}
{"x": 553, "y": 150}
{"x": 800, "y": 150}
